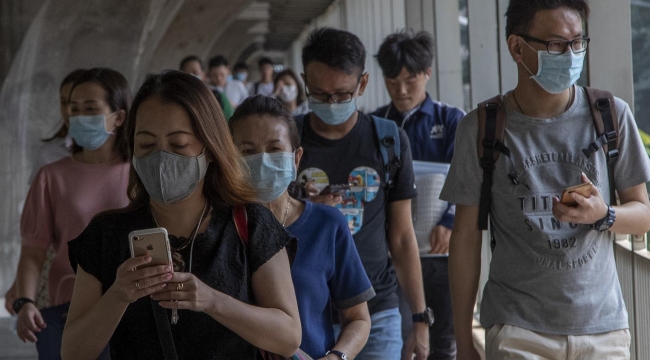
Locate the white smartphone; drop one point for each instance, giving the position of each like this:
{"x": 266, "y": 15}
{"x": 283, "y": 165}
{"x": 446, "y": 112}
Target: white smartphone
{"x": 154, "y": 242}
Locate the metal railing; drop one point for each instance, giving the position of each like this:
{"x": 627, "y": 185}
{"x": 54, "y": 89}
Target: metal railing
{"x": 633, "y": 265}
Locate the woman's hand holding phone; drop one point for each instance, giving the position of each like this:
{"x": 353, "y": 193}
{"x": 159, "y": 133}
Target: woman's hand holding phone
{"x": 185, "y": 291}
{"x": 134, "y": 280}
{"x": 588, "y": 209}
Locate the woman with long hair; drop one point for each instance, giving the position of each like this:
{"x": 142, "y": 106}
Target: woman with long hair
{"x": 65, "y": 195}
{"x": 57, "y": 146}
{"x": 224, "y": 296}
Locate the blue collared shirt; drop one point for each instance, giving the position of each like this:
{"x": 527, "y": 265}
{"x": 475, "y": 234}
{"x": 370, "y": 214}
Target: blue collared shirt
{"x": 431, "y": 130}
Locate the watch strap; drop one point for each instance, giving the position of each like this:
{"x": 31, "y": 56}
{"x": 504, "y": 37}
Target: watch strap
{"x": 337, "y": 353}
{"x": 424, "y": 317}
{"x": 606, "y": 222}
{"x": 19, "y": 303}
{"x": 419, "y": 317}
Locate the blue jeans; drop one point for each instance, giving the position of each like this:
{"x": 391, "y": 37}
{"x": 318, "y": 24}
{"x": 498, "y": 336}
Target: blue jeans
{"x": 49, "y": 339}
{"x": 385, "y": 340}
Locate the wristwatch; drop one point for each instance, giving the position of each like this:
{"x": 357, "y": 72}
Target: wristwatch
{"x": 19, "y": 303}
{"x": 425, "y": 317}
{"x": 606, "y": 222}
{"x": 337, "y": 353}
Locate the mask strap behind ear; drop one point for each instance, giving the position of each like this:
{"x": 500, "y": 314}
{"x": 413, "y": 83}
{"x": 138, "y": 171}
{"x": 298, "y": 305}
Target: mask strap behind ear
{"x": 539, "y": 59}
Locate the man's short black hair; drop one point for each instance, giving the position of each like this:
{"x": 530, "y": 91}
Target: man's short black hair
{"x": 217, "y": 61}
{"x": 520, "y": 13}
{"x": 405, "y": 50}
{"x": 240, "y": 66}
{"x": 264, "y": 61}
{"x": 336, "y": 48}
{"x": 189, "y": 59}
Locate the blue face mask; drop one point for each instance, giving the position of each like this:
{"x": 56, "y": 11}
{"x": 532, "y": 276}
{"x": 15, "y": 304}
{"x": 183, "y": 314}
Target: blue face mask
{"x": 89, "y": 131}
{"x": 271, "y": 173}
{"x": 241, "y": 76}
{"x": 335, "y": 113}
{"x": 229, "y": 78}
{"x": 557, "y": 73}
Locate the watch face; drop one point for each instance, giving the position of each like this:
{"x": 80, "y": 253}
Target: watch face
{"x": 428, "y": 316}
{"x": 18, "y": 304}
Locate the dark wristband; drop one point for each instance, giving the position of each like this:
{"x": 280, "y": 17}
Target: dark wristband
{"x": 19, "y": 303}
{"x": 337, "y": 353}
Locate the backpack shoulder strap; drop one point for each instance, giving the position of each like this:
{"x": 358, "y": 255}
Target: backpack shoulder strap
{"x": 389, "y": 146}
{"x": 240, "y": 218}
{"x": 491, "y": 127}
{"x": 603, "y": 112}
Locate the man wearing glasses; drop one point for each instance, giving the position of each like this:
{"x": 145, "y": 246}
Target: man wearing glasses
{"x": 342, "y": 166}
{"x": 552, "y": 291}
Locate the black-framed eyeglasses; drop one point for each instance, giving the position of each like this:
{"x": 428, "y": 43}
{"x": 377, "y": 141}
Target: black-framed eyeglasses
{"x": 559, "y": 47}
{"x": 337, "y": 98}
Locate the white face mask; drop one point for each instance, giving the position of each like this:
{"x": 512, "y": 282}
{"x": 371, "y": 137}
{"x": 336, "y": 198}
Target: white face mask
{"x": 288, "y": 93}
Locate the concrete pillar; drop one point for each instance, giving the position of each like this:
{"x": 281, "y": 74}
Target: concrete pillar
{"x": 15, "y": 18}
{"x": 64, "y": 35}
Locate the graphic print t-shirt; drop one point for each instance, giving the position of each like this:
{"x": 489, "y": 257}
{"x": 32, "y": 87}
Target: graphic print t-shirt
{"x": 355, "y": 160}
{"x": 545, "y": 275}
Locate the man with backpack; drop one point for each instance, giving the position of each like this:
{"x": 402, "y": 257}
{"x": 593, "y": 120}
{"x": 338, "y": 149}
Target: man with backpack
{"x": 405, "y": 60}
{"x": 552, "y": 290}
{"x": 362, "y": 165}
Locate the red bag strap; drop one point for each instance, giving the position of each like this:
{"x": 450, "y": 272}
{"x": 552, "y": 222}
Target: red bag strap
{"x": 240, "y": 218}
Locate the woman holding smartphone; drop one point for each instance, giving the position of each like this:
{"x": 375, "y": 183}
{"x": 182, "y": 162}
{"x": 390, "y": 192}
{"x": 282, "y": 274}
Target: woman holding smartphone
{"x": 63, "y": 198}
{"x": 327, "y": 265}
{"x": 230, "y": 296}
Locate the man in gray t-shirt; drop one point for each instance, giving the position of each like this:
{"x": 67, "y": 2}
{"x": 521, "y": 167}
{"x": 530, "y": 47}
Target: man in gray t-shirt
{"x": 552, "y": 284}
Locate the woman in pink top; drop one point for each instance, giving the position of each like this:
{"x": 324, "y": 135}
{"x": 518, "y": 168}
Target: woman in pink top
{"x": 66, "y": 195}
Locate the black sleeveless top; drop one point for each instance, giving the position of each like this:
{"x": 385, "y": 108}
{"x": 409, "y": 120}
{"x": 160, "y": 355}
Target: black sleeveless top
{"x": 220, "y": 260}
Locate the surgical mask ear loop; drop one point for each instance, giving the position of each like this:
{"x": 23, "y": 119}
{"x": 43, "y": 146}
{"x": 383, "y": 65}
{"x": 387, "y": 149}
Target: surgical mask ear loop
{"x": 538, "y": 59}
{"x": 114, "y": 126}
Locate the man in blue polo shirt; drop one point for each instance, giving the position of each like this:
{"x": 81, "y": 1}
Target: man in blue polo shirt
{"x": 405, "y": 60}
